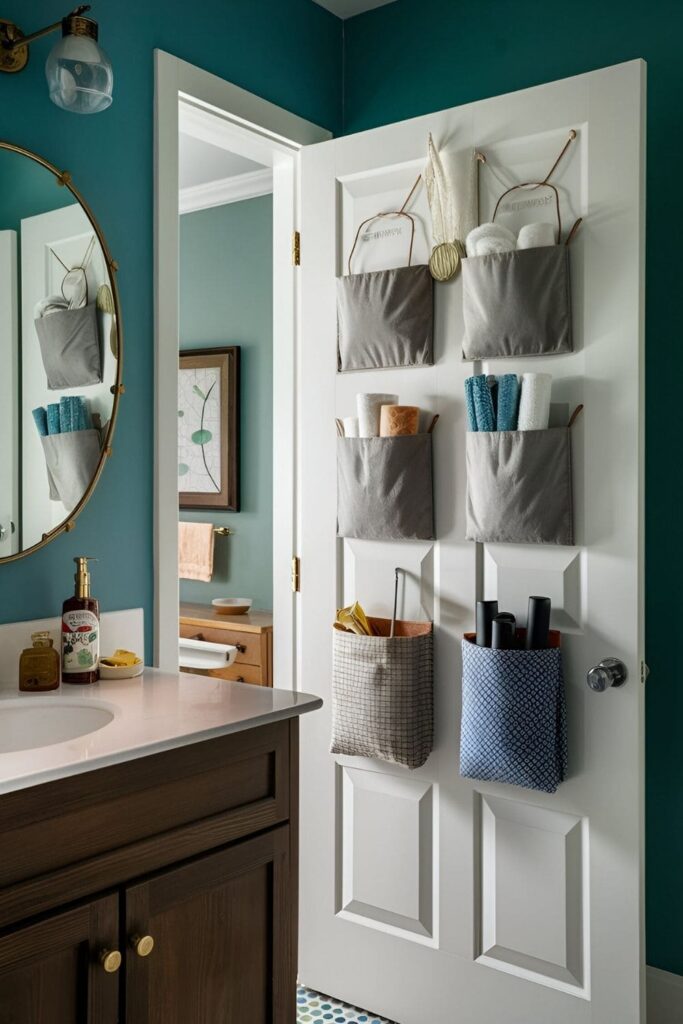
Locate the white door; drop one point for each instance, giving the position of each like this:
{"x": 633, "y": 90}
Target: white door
{"x": 426, "y": 897}
{"x": 9, "y": 395}
{"x": 46, "y": 239}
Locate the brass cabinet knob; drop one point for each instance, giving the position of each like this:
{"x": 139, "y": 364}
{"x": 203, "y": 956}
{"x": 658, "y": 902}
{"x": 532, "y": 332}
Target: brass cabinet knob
{"x": 110, "y": 960}
{"x": 241, "y": 648}
{"x": 142, "y": 944}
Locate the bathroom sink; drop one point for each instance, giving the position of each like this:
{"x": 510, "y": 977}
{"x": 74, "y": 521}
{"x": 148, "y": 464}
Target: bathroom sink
{"x": 32, "y": 722}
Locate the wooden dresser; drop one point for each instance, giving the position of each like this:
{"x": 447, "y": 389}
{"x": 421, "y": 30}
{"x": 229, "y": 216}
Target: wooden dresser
{"x": 251, "y": 634}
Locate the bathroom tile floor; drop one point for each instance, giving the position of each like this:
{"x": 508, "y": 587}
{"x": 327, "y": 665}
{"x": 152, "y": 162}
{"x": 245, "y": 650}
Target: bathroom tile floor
{"x": 313, "y": 1008}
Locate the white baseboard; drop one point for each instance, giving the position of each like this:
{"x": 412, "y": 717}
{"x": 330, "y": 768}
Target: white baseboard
{"x": 664, "y": 997}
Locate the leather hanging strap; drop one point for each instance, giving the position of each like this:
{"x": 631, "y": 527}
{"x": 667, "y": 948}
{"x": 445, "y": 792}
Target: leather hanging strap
{"x": 546, "y": 183}
{"x": 391, "y": 213}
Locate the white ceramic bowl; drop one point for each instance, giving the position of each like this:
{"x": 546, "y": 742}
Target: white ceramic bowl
{"x": 121, "y": 671}
{"x": 232, "y": 605}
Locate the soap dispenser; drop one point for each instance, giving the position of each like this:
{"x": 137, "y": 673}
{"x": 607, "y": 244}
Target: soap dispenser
{"x": 81, "y": 630}
{"x": 39, "y": 665}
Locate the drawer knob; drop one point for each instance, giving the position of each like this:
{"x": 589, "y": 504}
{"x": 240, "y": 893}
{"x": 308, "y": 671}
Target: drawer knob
{"x": 197, "y": 636}
{"x": 241, "y": 648}
{"x": 142, "y": 944}
{"x": 110, "y": 960}
{"x": 240, "y": 679}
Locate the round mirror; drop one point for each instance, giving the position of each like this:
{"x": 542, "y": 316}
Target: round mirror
{"x": 60, "y": 352}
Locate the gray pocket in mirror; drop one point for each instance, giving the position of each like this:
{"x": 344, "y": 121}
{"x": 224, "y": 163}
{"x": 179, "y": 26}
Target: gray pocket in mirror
{"x": 71, "y": 461}
{"x": 70, "y": 348}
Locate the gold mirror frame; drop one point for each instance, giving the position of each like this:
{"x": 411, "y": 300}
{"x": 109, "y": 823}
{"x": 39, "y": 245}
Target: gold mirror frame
{"x": 63, "y": 180}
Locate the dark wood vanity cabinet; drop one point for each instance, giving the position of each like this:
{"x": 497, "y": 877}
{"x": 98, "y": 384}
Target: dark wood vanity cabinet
{"x": 191, "y": 924}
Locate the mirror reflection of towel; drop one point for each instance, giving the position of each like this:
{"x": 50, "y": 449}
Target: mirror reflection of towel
{"x": 195, "y": 551}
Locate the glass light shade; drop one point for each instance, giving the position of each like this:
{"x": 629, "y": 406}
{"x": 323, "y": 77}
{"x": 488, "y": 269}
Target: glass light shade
{"x": 79, "y": 75}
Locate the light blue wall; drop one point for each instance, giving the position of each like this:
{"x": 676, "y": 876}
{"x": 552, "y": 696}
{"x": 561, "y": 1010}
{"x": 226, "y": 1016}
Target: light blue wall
{"x": 226, "y": 298}
{"x": 289, "y": 52}
{"x": 414, "y": 56}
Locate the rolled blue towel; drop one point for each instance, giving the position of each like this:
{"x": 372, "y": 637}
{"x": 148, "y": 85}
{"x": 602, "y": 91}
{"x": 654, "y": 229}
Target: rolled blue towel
{"x": 40, "y": 418}
{"x": 82, "y": 415}
{"x": 469, "y": 404}
{"x": 508, "y": 401}
{"x": 53, "y": 418}
{"x": 483, "y": 403}
{"x": 65, "y": 410}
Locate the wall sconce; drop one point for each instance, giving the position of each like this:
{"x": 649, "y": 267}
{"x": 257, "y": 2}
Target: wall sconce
{"x": 79, "y": 73}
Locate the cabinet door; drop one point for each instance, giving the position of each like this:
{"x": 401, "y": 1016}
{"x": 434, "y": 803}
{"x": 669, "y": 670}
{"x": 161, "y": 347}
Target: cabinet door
{"x": 53, "y": 972}
{"x": 224, "y": 939}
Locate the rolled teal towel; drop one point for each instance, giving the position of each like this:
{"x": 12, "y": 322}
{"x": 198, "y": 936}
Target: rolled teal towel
{"x": 40, "y": 418}
{"x": 469, "y": 404}
{"x": 53, "y": 419}
{"x": 81, "y": 414}
{"x": 508, "y": 402}
{"x": 65, "y": 412}
{"x": 483, "y": 403}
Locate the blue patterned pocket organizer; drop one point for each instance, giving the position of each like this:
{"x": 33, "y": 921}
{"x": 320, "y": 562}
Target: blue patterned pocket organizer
{"x": 514, "y": 718}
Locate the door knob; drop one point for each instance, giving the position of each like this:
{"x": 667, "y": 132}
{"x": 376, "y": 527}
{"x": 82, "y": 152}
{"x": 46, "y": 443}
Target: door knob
{"x": 142, "y": 944}
{"x": 610, "y": 672}
{"x": 110, "y": 960}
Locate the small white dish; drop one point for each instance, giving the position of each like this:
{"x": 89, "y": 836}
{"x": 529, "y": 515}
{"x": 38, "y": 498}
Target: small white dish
{"x": 232, "y": 605}
{"x": 121, "y": 671}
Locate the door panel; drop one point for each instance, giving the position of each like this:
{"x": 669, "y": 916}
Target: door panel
{"x": 222, "y": 939}
{"x": 50, "y": 973}
{"x": 518, "y": 906}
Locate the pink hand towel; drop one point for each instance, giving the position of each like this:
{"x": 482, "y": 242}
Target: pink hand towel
{"x": 195, "y": 551}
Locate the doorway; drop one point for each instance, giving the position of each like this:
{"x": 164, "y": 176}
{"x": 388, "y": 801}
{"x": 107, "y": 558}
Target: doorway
{"x": 226, "y": 175}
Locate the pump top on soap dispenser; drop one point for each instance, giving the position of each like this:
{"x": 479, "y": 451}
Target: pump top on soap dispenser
{"x": 81, "y": 629}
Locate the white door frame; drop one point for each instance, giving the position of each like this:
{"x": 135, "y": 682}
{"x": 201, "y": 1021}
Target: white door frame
{"x": 257, "y": 129}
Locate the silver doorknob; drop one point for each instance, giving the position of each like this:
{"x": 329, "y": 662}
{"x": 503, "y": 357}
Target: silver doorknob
{"x": 610, "y": 672}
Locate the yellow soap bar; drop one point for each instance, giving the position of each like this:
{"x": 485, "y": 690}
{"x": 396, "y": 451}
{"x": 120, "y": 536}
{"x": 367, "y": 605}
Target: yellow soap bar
{"x": 121, "y": 659}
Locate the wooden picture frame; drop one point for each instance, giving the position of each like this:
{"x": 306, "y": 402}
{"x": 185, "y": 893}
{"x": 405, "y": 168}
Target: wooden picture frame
{"x": 208, "y": 420}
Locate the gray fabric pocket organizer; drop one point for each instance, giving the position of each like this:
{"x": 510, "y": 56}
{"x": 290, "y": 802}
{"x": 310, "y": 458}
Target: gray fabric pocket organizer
{"x": 384, "y": 487}
{"x": 383, "y": 693}
{"x": 71, "y": 461}
{"x": 514, "y": 717}
{"x": 519, "y": 486}
{"x": 517, "y": 303}
{"x": 70, "y": 348}
{"x": 385, "y": 318}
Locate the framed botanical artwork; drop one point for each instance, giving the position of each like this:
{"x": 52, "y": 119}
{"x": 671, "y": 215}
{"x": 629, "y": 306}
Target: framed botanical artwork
{"x": 208, "y": 428}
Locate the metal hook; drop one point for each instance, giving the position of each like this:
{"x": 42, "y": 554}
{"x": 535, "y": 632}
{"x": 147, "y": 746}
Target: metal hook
{"x": 393, "y": 617}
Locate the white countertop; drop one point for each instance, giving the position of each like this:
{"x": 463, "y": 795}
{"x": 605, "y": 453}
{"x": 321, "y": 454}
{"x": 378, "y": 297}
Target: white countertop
{"x": 155, "y": 712}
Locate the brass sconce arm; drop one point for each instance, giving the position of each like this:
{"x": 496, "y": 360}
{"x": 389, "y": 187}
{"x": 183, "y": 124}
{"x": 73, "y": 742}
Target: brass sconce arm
{"x": 14, "y": 44}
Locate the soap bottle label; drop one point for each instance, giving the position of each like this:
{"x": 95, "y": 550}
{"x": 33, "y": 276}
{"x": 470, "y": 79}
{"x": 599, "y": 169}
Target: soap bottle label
{"x": 80, "y": 641}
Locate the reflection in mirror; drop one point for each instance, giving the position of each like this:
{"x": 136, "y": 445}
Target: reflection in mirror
{"x": 59, "y": 352}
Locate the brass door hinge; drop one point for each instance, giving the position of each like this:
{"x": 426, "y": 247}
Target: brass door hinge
{"x": 296, "y": 249}
{"x": 296, "y": 574}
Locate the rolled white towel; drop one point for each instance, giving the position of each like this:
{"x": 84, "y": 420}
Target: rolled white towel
{"x": 368, "y": 407}
{"x": 534, "y": 401}
{"x": 533, "y": 236}
{"x": 350, "y": 426}
{"x": 490, "y": 238}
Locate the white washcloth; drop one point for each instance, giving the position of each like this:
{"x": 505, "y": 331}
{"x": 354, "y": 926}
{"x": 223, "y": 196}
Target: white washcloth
{"x": 350, "y": 426}
{"x": 369, "y": 410}
{"x": 533, "y": 236}
{"x": 490, "y": 238}
{"x": 534, "y": 401}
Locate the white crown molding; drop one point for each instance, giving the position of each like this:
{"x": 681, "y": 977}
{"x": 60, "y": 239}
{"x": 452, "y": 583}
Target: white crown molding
{"x": 664, "y": 997}
{"x": 227, "y": 190}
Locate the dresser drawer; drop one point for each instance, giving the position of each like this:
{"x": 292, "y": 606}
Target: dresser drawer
{"x": 248, "y": 644}
{"x": 237, "y": 673}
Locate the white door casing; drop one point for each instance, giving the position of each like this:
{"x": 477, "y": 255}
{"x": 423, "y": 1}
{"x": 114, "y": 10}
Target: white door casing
{"x": 424, "y": 896}
{"x": 9, "y": 394}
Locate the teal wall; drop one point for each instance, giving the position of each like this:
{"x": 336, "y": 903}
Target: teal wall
{"x": 411, "y": 57}
{"x": 226, "y": 298}
{"x": 289, "y": 52}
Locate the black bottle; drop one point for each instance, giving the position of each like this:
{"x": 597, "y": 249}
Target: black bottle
{"x": 486, "y": 612}
{"x": 538, "y": 623}
{"x": 503, "y": 632}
